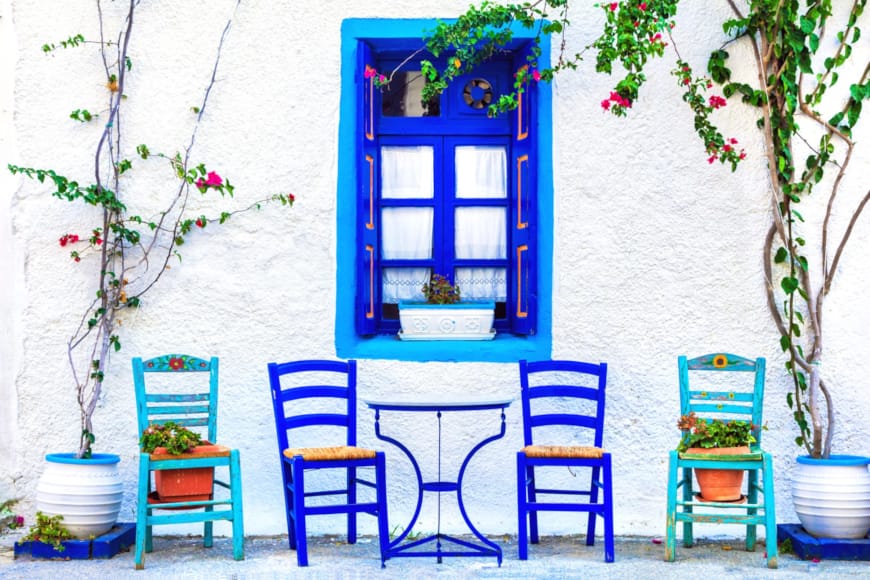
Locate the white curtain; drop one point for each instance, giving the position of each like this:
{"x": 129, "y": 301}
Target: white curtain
{"x": 406, "y": 232}
{"x": 481, "y": 232}
{"x": 481, "y": 172}
{"x": 407, "y": 172}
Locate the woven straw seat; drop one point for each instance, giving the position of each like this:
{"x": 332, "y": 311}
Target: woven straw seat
{"x": 563, "y": 451}
{"x": 341, "y": 453}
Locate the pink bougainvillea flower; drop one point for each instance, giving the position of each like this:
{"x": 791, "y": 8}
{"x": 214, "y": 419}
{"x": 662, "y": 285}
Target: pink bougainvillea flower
{"x": 291, "y": 197}
{"x": 717, "y": 102}
{"x": 733, "y": 141}
{"x": 605, "y": 104}
{"x": 536, "y": 74}
{"x": 68, "y": 239}
{"x": 642, "y": 6}
{"x": 382, "y": 79}
{"x": 743, "y": 155}
{"x": 200, "y": 222}
{"x": 213, "y": 179}
{"x": 200, "y": 183}
{"x": 614, "y": 6}
{"x": 656, "y": 38}
{"x": 370, "y": 72}
{"x": 711, "y": 159}
{"x": 176, "y": 363}
{"x": 726, "y": 148}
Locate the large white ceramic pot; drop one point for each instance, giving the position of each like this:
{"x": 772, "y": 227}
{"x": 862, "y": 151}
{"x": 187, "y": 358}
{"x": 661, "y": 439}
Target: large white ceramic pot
{"x": 832, "y": 496}
{"x": 86, "y": 492}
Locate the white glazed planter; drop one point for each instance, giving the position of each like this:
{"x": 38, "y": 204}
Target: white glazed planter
{"x": 86, "y": 492}
{"x": 832, "y": 496}
{"x": 461, "y": 321}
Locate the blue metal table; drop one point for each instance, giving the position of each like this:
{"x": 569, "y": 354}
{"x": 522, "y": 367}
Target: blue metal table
{"x": 483, "y": 547}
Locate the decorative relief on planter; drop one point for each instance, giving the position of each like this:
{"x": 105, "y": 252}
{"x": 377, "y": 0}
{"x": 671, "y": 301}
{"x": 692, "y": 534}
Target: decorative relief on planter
{"x": 462, "y": 321}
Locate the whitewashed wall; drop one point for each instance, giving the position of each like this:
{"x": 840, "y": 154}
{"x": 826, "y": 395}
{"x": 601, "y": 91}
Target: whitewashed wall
{"x": 657, "y": 253}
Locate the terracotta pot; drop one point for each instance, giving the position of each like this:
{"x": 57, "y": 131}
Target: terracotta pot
{"x": 191, "y": 484}
{"x": 720, "y": 484}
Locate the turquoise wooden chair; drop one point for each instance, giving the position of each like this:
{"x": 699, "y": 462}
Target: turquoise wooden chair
{"x": 321, "y": 394}
{"x": 565, "y": 401}
{"x": 173, "y": 401}
{"x": 726, "y": 399}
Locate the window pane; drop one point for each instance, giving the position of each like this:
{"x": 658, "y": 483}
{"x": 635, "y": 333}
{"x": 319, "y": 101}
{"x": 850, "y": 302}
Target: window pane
{"x": 406, "y": 233}
{"x": 403, "y": 97}
{"x": 407, "y": 172}
{"x": 481, "y": 172}
{"x": 482, "y": 283}
{"x": 481, "y": 233}
{"x": 403, "y": 284}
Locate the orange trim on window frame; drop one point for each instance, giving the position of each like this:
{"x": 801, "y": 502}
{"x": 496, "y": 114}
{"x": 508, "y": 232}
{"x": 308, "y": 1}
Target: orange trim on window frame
{"x": 370, "y": 312}
{"x": 520, "y": 312}
{"x": 370, "y": 225}
{"x": 522, "y": 133}
{"x": 521, "y": 225}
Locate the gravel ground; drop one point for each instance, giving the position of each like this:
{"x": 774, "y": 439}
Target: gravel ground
{"x": 329, "y": 557}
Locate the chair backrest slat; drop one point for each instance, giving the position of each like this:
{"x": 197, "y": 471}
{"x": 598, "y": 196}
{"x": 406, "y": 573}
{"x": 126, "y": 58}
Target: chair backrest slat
{"x": 304, "y": 384}
{"x": 588, "y": 422}
{"x": 561, "y": 382}
{"x": 739, "y": 402}
{"x": 312, "y": 391}
{"x": 162, "y": 396}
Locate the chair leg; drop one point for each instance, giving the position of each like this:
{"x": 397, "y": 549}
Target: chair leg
{"x": 688, "y": 496}
{"x": 238, "y": 513}
{"x": 533, "y": 514}
{"x": 208, "y": 530}
{"x": 142, "y": 513}
{"x": 351, "y": 500}
{"x": 289, "y": 492}
{"x": 522, "y": 508}
{"x": 752, "y": 498}
{"x": 381, "y": 493}
{"x": 593, "y": 498}
{"x": 299, "y": 513}
{"x": 671, "y": 514}
{"x": 769, "y": 512}
{"x": 609, "y": 550}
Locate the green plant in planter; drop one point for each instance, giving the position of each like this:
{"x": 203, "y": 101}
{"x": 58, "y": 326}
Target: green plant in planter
{"x": 48, "y": 530}
{"x": 439, "y": 290}
{"x": 174, "y": 437}
{"x": 713, "y": 433}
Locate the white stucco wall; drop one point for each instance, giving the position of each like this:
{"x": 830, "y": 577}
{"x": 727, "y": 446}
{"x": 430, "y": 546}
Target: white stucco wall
{"x": 657, "y": 253}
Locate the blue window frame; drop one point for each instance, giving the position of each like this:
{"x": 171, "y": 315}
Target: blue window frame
{"x": 378, "y": 126}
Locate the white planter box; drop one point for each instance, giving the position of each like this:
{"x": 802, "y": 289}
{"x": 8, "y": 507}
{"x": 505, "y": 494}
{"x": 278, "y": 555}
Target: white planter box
{"x": 462, "y": 321}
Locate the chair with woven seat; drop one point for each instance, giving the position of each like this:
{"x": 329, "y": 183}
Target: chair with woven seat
{"x": 320, "y": 396}
{"x": 564, "y": 401}
{"x": 731, "y": 388}
{"x": 183, "y": 389}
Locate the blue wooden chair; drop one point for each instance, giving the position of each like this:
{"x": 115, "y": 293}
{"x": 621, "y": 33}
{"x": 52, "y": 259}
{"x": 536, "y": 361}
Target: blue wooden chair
{"x": 725, "y": 399}
{"x": 565, "y": 400}
{"x": 175, "y": 399}
{"x": 301, "y": 395}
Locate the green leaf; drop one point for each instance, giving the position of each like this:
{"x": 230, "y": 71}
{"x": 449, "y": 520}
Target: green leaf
{"x": 789, "y": 284}
{"x": 781, "y": 255}
{"x": 784, "y": 342}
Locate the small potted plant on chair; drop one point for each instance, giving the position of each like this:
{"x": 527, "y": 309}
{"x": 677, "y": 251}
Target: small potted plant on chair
{"x": 170, "y": 441}
{"x": 443, "y": 316}
{"x": 717, "y": 437}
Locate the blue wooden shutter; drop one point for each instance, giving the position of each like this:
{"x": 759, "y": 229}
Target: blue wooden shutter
{"x": 368, "y": 274}
{"x": 523, "y": 295}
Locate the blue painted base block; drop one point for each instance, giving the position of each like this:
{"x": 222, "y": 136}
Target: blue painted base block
{"x": 808, "y": 547}
{"x": 118, "y": 539}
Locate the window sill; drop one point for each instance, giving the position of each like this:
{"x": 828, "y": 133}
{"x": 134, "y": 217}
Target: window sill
{"x": 503, "y": 348}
